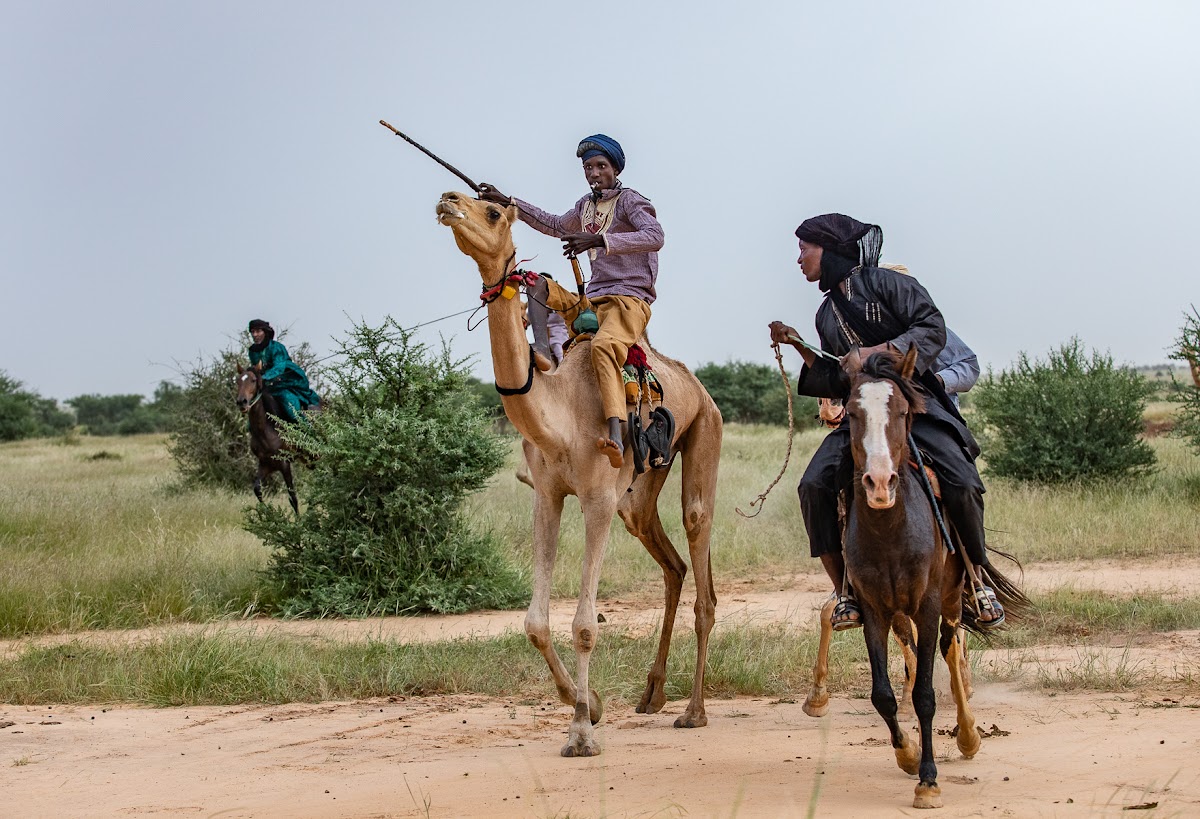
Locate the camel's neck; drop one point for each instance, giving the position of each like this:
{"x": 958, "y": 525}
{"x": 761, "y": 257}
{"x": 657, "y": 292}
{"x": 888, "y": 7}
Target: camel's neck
{"x": 510, "y": 363}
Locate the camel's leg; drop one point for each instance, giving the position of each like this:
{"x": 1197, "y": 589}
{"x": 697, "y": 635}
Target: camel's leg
{"x": 641, "y": 518}
{"x": 927, "y": 794}
{"x": 817, "y": 703}
{"x": 523, "y": 474}
{"x": 875, "y": 632}
{"x": 547, "y": 514}
{"x": 701, "y": 451}
{"x": 598, "y": 510}
{"x": 285, "y": 468}
{"x": 902, "y": 628}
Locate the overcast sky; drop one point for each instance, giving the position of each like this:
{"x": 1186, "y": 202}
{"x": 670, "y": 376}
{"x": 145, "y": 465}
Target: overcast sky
{"x": 169, "y": 170}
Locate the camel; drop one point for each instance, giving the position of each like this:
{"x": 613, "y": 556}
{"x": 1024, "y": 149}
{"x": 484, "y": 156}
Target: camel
{"x": 560, "y": 417}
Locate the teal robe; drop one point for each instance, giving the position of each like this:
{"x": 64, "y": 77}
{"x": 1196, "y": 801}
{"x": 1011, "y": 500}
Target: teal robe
{"x": 284, "y": 379}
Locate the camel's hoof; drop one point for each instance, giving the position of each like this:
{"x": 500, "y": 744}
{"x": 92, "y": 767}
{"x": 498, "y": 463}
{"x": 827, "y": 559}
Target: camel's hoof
{"x": 928, "y": 796}
{"x": 908, "y": 757}
{"x": 688, "y": 721}
{"x": 589, "y": 747}
{"x": 595, "y": 709}
{"x": 817, "y": 704}
{"x": 968, "y": 742}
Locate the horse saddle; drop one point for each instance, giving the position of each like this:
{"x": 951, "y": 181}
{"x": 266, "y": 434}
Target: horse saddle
{"x": 651, "y": 444}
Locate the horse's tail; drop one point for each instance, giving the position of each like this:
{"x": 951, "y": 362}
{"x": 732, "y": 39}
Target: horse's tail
{"x": 1016, "y": 605}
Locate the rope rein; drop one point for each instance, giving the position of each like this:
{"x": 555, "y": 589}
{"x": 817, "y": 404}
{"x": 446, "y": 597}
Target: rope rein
{"x": 787, "y": 387}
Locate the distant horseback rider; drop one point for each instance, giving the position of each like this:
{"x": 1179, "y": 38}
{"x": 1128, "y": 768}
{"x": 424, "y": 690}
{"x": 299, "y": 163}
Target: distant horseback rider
{"x": 282, "y": 378}
{"x": 874, "y": 309}
{"x": 619, "y": 229}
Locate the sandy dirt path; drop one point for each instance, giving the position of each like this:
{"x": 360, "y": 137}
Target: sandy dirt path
{"x": 1064, "y": 755}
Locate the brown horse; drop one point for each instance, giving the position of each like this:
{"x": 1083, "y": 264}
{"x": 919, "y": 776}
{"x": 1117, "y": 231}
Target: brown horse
{"x": 898, "y": 564}
{"x": 273, "y": 453}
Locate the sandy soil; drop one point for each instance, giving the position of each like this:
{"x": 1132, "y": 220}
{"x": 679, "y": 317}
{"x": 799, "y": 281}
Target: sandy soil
{"x": 1064, "y": 755}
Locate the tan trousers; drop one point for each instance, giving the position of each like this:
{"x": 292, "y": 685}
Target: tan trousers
{"x": 623, "y": 320}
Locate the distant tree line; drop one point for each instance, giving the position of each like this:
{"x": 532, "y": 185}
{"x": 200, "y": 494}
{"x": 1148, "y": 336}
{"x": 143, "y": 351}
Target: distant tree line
{"x": 25, "y": 414}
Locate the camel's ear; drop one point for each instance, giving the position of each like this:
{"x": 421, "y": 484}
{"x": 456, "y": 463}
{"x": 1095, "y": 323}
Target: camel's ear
{"x": 512, "y": 212}
{"x": 852, "y": 362}
{"x": 908, "y": 364}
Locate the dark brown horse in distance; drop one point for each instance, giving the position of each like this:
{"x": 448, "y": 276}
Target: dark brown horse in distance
{"x": 899, "y": 566}
{"x": 273, "y": 453}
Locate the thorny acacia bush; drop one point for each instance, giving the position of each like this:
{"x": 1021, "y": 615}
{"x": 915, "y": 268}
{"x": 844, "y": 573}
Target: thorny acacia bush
{"x": 1187, "y": 348}
{"x": 210, "y": 441}
{"x": 397, "y": 451}
{"x": 1070, "y": 418}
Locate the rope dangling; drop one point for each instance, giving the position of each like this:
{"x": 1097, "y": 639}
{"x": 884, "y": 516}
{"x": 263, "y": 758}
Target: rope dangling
{"x": 787, "y": 387}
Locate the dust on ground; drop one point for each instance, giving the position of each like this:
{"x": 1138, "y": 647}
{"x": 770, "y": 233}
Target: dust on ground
{"x": 1076, "y": 754}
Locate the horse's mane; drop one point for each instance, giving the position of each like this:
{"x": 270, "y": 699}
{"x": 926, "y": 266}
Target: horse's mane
{"x": 886, "y": 365}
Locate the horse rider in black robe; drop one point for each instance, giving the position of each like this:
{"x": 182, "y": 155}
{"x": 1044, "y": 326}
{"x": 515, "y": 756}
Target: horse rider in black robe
{"x": 874, "y": 309}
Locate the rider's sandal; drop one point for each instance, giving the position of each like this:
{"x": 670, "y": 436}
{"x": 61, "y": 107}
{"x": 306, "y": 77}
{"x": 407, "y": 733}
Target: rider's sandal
{"x": 991, "y": 613}
{"x": 846, "y": 614}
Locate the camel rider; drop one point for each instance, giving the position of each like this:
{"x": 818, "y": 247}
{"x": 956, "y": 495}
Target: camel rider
{"x": 619, "y": 230}
{"x": 875, "y": 308}
{"x": 282, "y": 377}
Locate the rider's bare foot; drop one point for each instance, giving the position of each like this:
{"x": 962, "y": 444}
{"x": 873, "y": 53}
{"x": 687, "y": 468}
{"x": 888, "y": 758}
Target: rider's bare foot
{"x": 612, "y": 449}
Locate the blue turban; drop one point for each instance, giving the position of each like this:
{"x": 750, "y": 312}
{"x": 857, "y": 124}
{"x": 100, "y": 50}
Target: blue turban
{"x": 598, "y": 144}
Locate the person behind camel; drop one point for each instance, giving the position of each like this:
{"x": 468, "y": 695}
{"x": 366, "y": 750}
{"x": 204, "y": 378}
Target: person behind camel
{"x": 619, "y": 229}
{"x": 875, "y": 308}
{"x": 282, "y": 377}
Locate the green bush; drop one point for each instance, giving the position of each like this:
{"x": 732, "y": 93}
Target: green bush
{"x": 1187, "y": 348}
{"x": 209, "y": 440}
{"x": 1069, "y": 418}
{"x": 755, "y": 394}
{"x": 397, "y": 451}
{"x": 25, "y": 414}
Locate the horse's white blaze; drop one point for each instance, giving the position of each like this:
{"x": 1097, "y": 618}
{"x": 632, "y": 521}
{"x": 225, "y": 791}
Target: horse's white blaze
{"x": 873, "y": 398}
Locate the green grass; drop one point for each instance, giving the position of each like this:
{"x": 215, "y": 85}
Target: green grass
{"x": 225, "y": 668}
{"x": 106, "y": 543}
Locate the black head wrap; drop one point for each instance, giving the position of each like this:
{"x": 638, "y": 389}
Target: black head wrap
{"x": 847, "y": 242}
{"x": 259, "y": 324}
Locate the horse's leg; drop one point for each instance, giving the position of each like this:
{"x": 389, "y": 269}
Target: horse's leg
{"x": 902, "y": 629}
{"x": 639, "y": 511}
{"x": 547, "y": 513}
{"x": 598, "y": 510}
{"x": 259, "y": 474}
{"x": 701, "y": 451}
{"x": 954, "y": 650}
{"x": 927, "y": 794}
{"x": 817, "y": 703}
{"x": 285, "y": 468}
{"x": 875, "y": 631}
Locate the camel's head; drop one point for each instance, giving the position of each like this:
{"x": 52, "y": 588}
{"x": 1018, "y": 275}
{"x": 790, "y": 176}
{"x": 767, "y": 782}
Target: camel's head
{"x": 482, "y": 230}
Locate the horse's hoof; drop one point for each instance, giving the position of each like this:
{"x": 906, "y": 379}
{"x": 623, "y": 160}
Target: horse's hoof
{"x": 688, "y": 721}
{"x": 968, "y": 742}
{"x": 928, "y": 796}
{"x": 908, "y": 757}
{"x": 595, "y": 709}
{"x": 817, "y": 704}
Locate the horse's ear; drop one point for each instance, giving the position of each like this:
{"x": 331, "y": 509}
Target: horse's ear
{"x": 258, "y": 368}
{"x": 852, "y": 362}
{"x": 241, "y": 369}
{"x": 908, "y": 365}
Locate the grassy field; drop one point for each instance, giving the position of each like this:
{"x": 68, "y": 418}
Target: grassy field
{"x": 97, "y": 536}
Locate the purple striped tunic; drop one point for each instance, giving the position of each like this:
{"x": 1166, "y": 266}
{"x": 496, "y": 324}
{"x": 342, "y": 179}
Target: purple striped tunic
{"x": 627, "y": 265}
